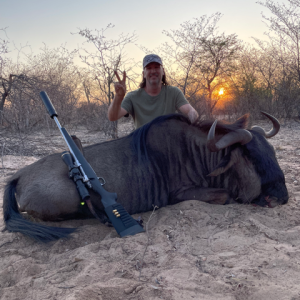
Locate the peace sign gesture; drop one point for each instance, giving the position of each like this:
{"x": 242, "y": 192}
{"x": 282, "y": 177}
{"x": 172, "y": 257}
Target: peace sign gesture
{"x": 120, "y": 86}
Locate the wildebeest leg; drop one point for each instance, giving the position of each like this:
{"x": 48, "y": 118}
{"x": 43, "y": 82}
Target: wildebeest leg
{"x": 210, "y": 195}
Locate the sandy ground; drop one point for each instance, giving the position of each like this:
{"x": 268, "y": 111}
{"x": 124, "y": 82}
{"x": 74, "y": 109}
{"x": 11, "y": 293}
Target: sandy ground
{"x": 192, "y": 250}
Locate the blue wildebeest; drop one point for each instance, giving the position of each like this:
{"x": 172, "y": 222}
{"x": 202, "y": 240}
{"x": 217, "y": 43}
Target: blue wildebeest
{"x": 164, "y": 162}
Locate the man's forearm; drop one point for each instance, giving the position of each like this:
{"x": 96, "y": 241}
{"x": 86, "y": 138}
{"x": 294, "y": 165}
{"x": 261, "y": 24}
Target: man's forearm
{"x": 114, "y": 108}
{"x": 189, "y": 111}
{"x": 193, "y": 115}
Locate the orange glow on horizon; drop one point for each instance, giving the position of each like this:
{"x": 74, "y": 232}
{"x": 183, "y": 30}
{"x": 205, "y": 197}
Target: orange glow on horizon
{"x": 223, "y": 97}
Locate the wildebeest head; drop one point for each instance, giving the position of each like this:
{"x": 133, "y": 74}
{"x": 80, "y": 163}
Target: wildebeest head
{"x": 261, "y": 154}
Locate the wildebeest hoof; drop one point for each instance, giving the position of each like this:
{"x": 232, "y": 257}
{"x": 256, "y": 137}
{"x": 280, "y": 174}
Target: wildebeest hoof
{"x": 140, "y": 221}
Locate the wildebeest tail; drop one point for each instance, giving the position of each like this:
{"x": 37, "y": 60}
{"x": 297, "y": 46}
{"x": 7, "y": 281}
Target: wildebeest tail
{"x": 16, "y": 223}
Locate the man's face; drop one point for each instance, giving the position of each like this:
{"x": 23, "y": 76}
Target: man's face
{"x": 153, "y": 73}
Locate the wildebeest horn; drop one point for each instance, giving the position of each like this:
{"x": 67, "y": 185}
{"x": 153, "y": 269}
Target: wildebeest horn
{"x": 241, "y": 136}
{"x": 273, "y": 131}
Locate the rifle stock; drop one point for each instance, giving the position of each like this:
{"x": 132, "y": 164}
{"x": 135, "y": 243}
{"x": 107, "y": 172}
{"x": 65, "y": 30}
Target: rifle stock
{"x": 118, "y": 216}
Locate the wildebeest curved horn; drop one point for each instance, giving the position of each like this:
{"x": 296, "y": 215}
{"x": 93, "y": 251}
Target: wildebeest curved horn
{"x": 241, "y": 136}
{"x": 273, "y": 131}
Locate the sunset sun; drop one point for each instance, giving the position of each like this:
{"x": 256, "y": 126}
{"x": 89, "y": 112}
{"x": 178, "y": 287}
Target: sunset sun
{"x": 221, "y": 92}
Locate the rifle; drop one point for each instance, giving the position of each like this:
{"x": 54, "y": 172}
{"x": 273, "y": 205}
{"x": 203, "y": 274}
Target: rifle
{"x": 118, "y": 216}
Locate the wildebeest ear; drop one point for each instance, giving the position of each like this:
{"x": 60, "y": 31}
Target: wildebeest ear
{"x": 226, "y": 163}
{"x": 242, "y": 122}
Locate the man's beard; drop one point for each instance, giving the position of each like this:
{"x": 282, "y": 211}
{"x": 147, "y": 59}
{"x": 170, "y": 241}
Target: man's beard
{"x": 154, "y": 80}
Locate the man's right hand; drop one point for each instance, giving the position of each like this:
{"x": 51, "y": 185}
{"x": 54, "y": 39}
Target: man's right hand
{"x": 115, "y": 111}
{"x": 120, "y": 86}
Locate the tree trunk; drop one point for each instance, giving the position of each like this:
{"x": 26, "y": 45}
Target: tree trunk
{"x": 115, "y": 129}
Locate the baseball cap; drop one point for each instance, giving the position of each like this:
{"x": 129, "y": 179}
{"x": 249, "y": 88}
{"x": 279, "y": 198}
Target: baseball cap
{"x": 151, "y": 58}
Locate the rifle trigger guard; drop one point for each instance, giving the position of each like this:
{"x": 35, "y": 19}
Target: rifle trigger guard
{"x": 101, "y": 179}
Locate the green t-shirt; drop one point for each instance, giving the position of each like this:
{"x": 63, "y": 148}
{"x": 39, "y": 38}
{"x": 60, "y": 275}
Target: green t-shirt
{"x": 144, "y": 108}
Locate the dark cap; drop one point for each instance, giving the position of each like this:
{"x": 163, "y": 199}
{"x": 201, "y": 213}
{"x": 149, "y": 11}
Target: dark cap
{"x": 151, "y": 58}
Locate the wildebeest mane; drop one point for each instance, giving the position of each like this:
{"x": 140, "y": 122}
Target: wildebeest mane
{"x": 139, "y": 135}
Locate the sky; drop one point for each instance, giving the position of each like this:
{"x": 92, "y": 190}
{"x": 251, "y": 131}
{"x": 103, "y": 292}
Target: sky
{"x": 39, "y": 22}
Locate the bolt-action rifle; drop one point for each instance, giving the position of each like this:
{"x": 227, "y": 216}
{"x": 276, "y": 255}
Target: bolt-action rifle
{"x": 87, "y": 178}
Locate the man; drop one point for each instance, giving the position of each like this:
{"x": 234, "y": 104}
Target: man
{"x": 154, "y": 97}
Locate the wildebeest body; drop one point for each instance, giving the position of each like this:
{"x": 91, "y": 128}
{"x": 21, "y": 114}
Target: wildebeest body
{"x": 162, "y": 163}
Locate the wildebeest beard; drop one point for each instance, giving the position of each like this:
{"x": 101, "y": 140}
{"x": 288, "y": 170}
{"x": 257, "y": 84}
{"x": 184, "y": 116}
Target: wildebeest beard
{"x": 263, "y": 157}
